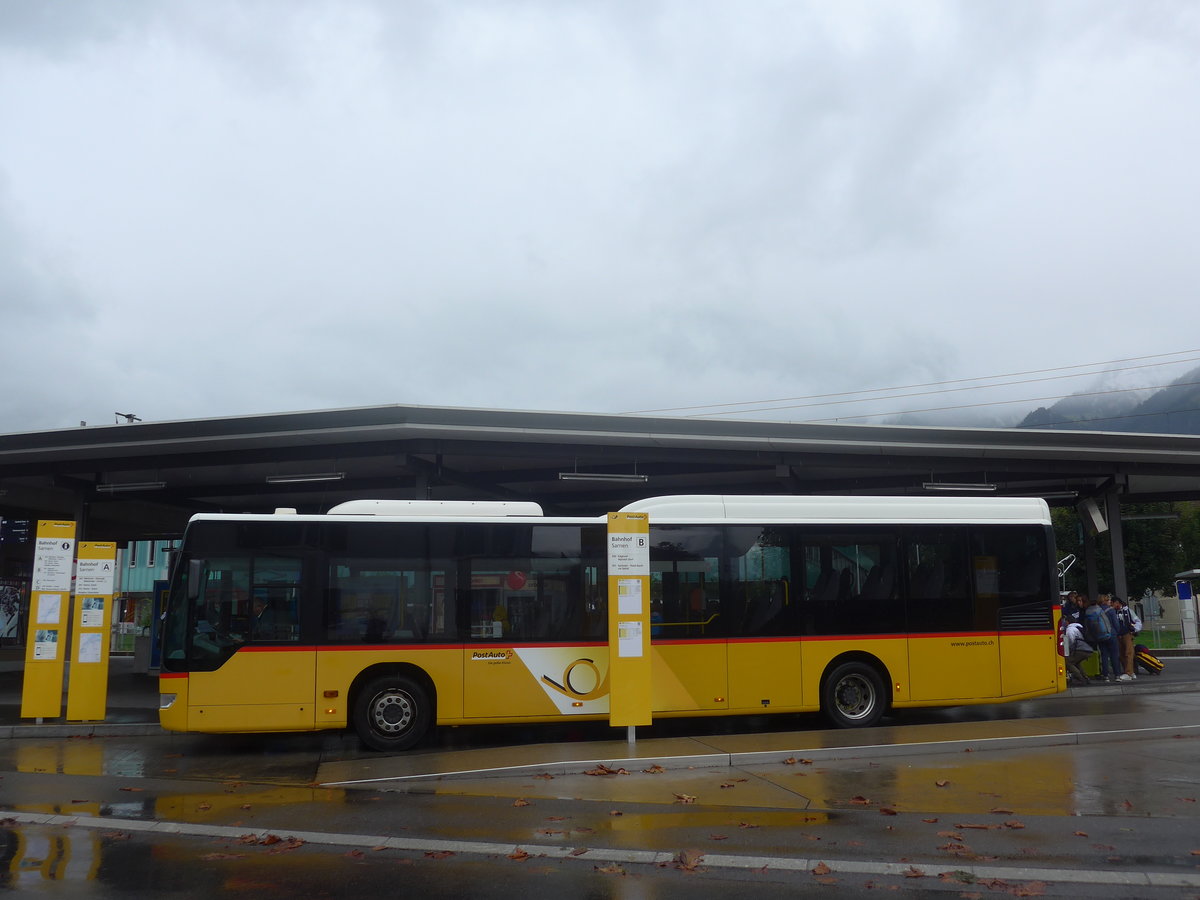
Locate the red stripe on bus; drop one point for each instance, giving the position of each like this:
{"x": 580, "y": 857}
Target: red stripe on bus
{"x": 500, "y": 645}
{"x": 335, "y": 648}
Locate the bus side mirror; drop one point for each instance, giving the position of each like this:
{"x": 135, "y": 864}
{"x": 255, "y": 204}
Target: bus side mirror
{"x": 195, "y": 573}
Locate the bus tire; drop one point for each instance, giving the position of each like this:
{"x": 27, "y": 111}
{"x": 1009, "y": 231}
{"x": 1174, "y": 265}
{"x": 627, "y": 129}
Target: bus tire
{"x": 392, "y": 713}
{"x": 853, "y": 695}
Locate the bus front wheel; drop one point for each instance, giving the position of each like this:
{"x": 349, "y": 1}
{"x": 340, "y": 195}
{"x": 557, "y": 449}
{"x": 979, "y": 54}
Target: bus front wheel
{"x": 853, "y": 695}
{"x": 392, "y": 713}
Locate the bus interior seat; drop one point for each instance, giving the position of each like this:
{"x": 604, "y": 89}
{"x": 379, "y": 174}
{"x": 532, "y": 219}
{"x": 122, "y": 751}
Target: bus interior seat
{"x": 928, "y": 580}
{"x": 764, "y": 612}
{"x": 879, "y": 583}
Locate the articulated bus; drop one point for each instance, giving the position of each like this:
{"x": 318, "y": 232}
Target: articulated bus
{"x": 393, "y": 616}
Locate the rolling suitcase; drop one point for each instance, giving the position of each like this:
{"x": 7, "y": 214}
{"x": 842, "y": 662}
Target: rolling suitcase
{"x": 1144, "y": 659}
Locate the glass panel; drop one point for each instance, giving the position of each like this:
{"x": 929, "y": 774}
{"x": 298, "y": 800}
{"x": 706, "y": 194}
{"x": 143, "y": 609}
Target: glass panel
{"x": 760, "y": 600}
{"x": 939, "y": 591}
{"x": 851, "y": 584}
{"x": 1011, "y": 568}
{"x": 532, "y": 583}
{"x": 685, "y": 596}
{"x": 243, "y": 599}
{"x": 390, "y": 583}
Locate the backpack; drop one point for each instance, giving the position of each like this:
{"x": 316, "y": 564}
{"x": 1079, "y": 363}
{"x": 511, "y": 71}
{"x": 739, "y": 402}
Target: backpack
{"x": 1095, "y": 626}
{"x": 1124, "y": 621}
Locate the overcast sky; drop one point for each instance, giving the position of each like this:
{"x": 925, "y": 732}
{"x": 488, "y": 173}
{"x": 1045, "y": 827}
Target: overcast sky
{"x": 221, "y": 208}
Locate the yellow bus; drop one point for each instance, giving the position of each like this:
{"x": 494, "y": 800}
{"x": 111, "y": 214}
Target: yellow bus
{"x": 393, "y": 616}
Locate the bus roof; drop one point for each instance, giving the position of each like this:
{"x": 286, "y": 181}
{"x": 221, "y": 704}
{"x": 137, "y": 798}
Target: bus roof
{"x": 697, "y": 508}
{"x": 849, "y": 509}
{"x": 433, "y": 508}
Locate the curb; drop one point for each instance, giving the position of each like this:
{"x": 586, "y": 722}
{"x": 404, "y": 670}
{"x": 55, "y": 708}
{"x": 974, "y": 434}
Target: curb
{"x": 561, "y": 768}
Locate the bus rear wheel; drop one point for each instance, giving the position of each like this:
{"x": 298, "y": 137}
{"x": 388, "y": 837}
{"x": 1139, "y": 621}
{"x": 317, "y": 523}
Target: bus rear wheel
{"x": 392, "y": 713}
{"x": 853, "y": 696}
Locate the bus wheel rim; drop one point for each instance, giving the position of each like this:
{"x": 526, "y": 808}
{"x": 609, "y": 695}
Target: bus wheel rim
{"x": 855, "y": 697}
{"x": 392, "y": 712}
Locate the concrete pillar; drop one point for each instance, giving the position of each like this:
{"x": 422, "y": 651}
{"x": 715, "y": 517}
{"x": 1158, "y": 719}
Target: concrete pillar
{"x": 1116, "y": 538}
{"x": 1089, "y": 562}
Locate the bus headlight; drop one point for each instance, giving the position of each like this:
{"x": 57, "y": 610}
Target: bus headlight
{"x": 166, "y": 701}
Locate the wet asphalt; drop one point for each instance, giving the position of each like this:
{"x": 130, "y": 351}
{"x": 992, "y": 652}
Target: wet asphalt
{"x": 1099, "y": 779}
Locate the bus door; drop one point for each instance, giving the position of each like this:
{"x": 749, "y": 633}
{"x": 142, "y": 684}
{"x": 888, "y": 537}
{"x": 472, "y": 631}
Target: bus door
{"x": 537, "y": 633}
{"x": 249, "y": 671}
{"x": 1018, "y": 597}
{"x": 953, "y": 645}
{"x": 688, "y": 623}
{"x": 765, "y": 669}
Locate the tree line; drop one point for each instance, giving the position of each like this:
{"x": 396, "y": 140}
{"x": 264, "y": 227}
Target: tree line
{"x": 1161, "y": 539}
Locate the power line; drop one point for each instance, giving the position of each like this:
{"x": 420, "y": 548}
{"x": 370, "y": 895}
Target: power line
{"x": 902, "y": 412}
{"x": 1118, "y": 418}
{"x": 717, "y": 406}
{"x": 956, "y": 390}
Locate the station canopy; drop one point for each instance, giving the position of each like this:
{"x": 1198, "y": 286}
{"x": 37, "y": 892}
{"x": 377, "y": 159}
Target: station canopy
{"x": 141, "y": 480}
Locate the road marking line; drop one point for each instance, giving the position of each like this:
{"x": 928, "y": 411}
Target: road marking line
{"x": 602, "y": 854}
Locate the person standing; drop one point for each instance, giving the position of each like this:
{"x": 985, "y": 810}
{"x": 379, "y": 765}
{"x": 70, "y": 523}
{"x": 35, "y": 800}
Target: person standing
{"x": 1099, "y": 631}
{"x": 1128, "y": 625}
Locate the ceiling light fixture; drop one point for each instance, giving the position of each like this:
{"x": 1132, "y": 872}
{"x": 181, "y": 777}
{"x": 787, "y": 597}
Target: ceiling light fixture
{"x": 952, "y": 486}
{"x": 131, "y": 486}
{"x": 602, "y": 476}
{"x": 300, "y": 479}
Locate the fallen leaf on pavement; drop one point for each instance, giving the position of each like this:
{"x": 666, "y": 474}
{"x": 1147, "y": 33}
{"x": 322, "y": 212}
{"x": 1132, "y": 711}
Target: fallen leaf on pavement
{"x": 602, "y": 769}
{"x": 687, "y": 860}
{"x": 958, "y": 876}
{"x": 1032, "y": 889}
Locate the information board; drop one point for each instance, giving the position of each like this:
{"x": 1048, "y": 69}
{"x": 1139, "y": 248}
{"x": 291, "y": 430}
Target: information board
{"x": 629, "y": 618}
{"x": 95, "y": 572}
{"x": 49, "y": 610}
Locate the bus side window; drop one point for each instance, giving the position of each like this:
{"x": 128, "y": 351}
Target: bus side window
{"x": 938, "y": 596}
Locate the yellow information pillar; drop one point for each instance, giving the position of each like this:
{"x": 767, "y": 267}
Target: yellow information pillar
{"x": 87, "y": 695}
{"x": 49, "y": 605}
{"x": 629, "y": 619}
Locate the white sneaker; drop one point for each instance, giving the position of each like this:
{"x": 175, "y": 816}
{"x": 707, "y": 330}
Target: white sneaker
{"x": 1124, "y": 678}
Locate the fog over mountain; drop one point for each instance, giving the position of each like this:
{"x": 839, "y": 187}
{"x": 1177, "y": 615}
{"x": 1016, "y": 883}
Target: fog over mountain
{"x": 1171, "y": 410}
